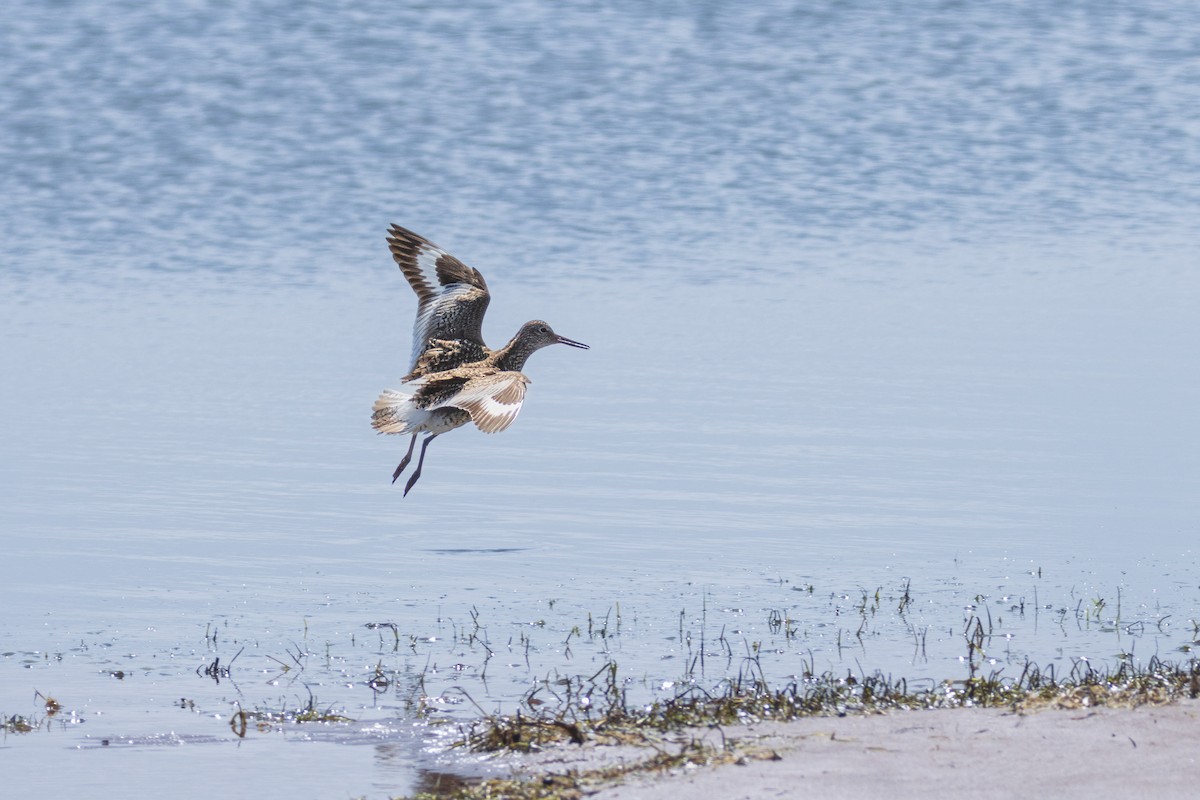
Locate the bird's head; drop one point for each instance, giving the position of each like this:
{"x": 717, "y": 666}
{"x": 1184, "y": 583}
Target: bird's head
{"x": 538, "y": 334}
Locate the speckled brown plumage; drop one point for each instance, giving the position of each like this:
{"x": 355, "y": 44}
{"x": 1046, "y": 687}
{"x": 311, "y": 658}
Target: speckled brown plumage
{"x": 453, "y": 377}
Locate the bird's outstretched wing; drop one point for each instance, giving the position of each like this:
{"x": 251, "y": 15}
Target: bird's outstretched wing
{"x": 451, "y": 300}
{"x": 492, "y": 398}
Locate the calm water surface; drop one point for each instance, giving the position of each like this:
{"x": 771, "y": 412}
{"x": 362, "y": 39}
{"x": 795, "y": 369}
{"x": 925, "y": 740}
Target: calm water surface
{"x": 876, "y": 299}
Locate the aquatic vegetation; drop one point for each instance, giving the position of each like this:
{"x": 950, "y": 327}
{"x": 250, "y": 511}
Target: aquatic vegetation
{"x": 674, "y": 679}
{"x": 594, "y": 709}
{"x": 16, "y": 723}
{"x": 263, "y": 719}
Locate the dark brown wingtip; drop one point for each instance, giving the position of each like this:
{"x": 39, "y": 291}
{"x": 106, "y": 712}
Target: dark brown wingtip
{"x": 405, "y": 247}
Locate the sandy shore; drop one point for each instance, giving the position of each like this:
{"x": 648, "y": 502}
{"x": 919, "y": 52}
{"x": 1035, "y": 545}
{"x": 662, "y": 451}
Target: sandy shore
{"x": 1151, "y": 752}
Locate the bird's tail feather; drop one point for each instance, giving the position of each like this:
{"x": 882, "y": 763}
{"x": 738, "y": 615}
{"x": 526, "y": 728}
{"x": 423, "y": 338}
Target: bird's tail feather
{"x": 395, "y": 413}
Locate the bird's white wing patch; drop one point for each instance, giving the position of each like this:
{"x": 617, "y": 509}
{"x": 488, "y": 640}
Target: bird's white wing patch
{"x": 425, "y": 265}
{"x": 493, "y": 401}
{"x": 425, "y": 258}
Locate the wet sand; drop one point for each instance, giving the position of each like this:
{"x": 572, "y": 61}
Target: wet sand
{"x": 963, "y": 753}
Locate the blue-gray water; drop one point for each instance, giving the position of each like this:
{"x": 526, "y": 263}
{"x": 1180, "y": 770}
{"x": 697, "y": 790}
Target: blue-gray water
{"x": 875, "y": 297}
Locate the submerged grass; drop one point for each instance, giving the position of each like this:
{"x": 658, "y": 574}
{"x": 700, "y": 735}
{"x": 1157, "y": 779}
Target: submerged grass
{"x": 17, "y": 723}
{"x": 263, "y": 719}
{"x": 594, "y": 709}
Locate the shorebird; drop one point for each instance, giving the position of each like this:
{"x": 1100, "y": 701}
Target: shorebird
{"x": 453, "y": 377}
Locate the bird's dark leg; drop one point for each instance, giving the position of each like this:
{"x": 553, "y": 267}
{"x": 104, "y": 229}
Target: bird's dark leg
{"x": 407, "y": 457}
{"x": 420, "y": 463}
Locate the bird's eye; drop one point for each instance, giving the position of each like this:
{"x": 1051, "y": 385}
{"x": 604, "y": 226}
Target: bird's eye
{"x": 543, "y": 329}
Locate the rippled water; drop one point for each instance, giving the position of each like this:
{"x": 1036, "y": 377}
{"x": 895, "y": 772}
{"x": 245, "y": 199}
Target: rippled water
{"x": 877, "y": 299}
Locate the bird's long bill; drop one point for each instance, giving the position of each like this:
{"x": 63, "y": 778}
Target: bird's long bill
{"x": 573, "y": 343}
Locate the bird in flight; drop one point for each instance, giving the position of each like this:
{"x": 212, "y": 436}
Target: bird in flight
{"x": 453, "y": 377}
